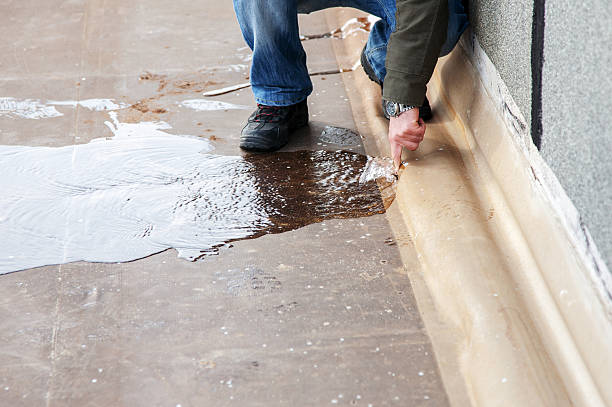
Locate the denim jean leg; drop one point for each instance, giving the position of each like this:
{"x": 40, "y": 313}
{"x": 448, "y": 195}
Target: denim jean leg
{"x": 376, "y": 49}
{"x": 279, "y": 76}
{"x": 376, "y": 46}
{"x": 457, "y": 23}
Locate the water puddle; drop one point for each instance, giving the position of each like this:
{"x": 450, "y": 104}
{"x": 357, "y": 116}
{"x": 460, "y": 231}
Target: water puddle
{"x": 144, "y": 190}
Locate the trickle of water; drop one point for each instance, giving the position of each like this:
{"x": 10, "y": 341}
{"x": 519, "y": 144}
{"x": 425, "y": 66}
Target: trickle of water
{"x": 130, "y": 196}
{"x": 378, "y": 168}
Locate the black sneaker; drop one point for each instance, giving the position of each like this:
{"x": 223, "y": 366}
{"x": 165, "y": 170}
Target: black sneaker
{"x": 269, "y": 127}
{"x": 424, "y": 111}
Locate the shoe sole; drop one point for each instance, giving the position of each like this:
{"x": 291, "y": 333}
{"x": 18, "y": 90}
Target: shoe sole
{"x": 255, "y": 147}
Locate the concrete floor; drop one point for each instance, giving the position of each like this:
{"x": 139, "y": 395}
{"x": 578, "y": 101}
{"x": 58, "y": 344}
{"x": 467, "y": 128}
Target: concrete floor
{"x": 320, "y": 315}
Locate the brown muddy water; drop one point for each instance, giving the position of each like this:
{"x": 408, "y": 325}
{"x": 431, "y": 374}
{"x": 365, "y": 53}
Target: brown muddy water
{"x": 144, "y": 191}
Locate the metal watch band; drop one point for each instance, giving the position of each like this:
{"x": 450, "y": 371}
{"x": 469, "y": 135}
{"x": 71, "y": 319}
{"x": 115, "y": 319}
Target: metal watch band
{"x": 394, "y": 109}
{"x": 404, "y": 108}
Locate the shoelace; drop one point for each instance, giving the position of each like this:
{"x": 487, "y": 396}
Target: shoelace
{"x": 267, "y": 112}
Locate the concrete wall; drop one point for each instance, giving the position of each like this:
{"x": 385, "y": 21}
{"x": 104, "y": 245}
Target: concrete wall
{"x": 577, "y": 109}
{"x": 576, "y": 97}
{"x": 503, "y": 28}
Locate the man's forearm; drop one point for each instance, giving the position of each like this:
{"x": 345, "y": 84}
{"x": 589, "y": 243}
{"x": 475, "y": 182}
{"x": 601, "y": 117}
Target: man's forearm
{"x": 413, "y": 49}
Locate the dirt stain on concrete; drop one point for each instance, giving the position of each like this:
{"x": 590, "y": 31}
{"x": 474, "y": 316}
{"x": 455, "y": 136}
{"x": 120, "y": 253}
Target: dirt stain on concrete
{"x": 189, "y": 83}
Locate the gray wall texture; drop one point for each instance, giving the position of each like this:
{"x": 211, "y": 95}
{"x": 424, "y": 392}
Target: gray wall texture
{"x": 503, "y": 28}
{"x": 576, "y": 93}
{"x": 577, "y": 109}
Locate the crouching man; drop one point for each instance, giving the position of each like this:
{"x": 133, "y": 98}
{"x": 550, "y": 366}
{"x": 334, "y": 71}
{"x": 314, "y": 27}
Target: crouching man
{"x": 400, "y": 55}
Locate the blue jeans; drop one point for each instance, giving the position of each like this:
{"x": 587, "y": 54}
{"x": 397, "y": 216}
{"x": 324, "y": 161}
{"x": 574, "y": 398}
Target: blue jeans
{"x": 279, "y": 76}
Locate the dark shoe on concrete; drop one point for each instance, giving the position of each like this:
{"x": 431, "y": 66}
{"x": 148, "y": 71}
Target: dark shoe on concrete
{"x": 424, "y": 111}
{"x": 269, "y": 127}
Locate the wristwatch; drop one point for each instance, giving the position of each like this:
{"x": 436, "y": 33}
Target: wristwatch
{"x": 394, "y": 109}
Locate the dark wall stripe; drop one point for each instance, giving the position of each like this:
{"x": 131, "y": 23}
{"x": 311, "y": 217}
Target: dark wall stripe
{"x": 537, "y": 63}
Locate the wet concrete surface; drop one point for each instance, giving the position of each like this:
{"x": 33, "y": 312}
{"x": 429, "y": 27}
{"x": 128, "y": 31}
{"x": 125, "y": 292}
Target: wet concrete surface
{"x": 320, "y": 315}
{"x": 284, "y": 319}
{"x": 135, "y": 195}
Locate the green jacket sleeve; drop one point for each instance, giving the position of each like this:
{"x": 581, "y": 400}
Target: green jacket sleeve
{"x": 413, "y": 49}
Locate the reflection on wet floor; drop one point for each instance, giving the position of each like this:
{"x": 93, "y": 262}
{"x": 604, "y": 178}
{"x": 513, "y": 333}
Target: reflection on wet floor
{"x": 340, "y": 136}
{"x": 144, "y": 191}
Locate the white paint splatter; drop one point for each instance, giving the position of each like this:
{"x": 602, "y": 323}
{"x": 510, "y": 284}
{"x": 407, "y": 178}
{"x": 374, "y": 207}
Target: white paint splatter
{"x": 354, "y": 25}
{"x": 143, "y": 129}
{"x": 97, "y": 105}
{"x": 206, "y": 105}
{"x": 26, "y": 109}
{"x": 237, "y": 67}
{"x": 241, "y": 68}
{"x": 35, "y": 109}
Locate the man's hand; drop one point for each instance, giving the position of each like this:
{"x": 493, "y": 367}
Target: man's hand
{"x": 406, "y": 130}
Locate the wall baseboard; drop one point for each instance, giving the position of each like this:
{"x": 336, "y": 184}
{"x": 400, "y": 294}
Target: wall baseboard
{"x": 573, "y": 307}
{"x": 513, "y": 294}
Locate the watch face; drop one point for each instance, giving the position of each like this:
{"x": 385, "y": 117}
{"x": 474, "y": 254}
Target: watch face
{"x": 391, "y": 108}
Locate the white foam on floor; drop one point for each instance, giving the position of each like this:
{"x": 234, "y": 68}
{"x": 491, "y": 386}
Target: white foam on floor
{"x": 26, "y": 109}
{"x": 97, "y": 105}
{"x": 143, "y": 190}
{"x": 36, "y": 109}
{"x": 207, "y": 105}
{"x": 121, "y": 198}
